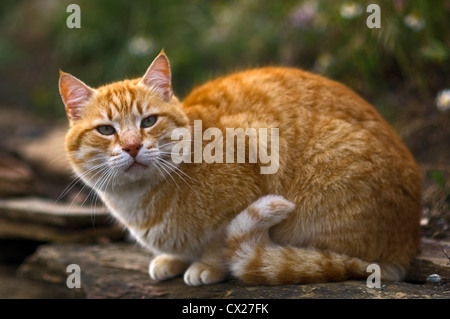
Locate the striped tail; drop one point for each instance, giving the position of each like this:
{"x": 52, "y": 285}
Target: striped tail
{"x": 256, "y": 259}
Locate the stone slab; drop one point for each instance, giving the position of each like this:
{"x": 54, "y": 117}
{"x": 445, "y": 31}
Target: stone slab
{"x": 119, "y": 270}
{"x": 50, "y": 212}
{"x": 49, "y": 221}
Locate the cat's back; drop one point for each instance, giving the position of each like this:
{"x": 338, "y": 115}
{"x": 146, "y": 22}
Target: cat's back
{"x": 300, "y": 103}
{"x": 318, "y": 119}
{"x": 277, "y": 92}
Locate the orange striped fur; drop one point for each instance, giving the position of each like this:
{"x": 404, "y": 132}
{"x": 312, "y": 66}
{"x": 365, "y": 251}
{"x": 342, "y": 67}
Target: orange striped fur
{"x": 346, "y": 192}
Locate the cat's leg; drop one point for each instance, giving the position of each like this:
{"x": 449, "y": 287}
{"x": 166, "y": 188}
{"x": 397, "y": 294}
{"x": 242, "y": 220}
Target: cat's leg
{"x": 166, "y": 266}
{"x": 211, "y": 267}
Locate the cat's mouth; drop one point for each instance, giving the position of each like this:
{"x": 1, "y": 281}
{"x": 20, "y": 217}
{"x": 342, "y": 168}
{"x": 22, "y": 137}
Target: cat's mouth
{"x": 136, "y": 165}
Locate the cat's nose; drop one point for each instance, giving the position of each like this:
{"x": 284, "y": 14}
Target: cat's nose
{"x": 132, "y": 149}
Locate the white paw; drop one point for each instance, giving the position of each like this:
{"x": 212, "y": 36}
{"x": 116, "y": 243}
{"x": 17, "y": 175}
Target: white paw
{"x": 273, "y": 208}
{"x": 163, "y": 267}
{"x": 262, "y": 214}
{"x": 201, "y": 274}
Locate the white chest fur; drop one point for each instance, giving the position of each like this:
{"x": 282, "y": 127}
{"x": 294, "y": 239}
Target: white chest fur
{"x": 168, "y": 236}
{"x": 124, "y": 204}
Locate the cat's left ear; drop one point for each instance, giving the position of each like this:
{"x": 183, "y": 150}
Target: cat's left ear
{"x": 158, "y": 76}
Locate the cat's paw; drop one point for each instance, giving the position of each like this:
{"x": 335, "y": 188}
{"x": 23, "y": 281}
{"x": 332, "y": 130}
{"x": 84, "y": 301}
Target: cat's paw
{"x": 163, "y": 267}
{"x": 201, "y": 274}
{"x": 272, "y": 208}
{"x": 262, "y": 214}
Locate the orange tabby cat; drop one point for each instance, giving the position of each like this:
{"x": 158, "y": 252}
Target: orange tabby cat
{"x": 345, "y": 194}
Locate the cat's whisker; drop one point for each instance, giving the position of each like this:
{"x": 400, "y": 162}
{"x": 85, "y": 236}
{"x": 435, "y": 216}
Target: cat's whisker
{"x": 95, "y": 200}
{"x": 165, "y": 163}
{"x": 78, "y": 178}
{"x": 155, "y": 164}
{"x": 106, "y": 179}
{"x": 178, "y": 141}
{"x": 102, "y": 173}
{"x": 57, "y": 158}
{"x": 169, "y": 143}
{"x": 112, "y": 179}
{"x": 75, "y": 198}
{"x": 170, "y": 153}
{"x": 192, "y": 152}
{"x": 168, "y": 173}
{"x": 101, "y": 181}
{"x": 102, "y": 167}
{"x": 177, "y": 168}
{"x": 75, "y": 179}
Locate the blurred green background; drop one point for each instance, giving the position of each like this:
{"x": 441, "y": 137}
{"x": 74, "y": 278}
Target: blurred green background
{"x": 409, "y": 54}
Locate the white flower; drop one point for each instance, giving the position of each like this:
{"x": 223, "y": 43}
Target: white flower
{"x": 304, "y": 14}
{"x": 323, "y": 62}
{"x": 140, "y": 45}
{"x": 350, "y": 10}
{"x": 414, "y": 21}
{"x": 443, "y": 100}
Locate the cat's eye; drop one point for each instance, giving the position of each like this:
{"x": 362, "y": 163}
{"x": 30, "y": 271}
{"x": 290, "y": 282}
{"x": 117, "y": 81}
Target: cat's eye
{"x": 149, "y": 121}
{"x": 106, "y": 129}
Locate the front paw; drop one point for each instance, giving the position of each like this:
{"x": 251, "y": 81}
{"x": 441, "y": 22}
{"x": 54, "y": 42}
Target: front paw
{"x": 201, "y": 274}
{"x": 163, "y": 267}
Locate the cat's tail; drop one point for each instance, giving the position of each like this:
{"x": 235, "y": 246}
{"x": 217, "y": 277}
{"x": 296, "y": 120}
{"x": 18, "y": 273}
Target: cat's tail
{"x": 256, "y": 259}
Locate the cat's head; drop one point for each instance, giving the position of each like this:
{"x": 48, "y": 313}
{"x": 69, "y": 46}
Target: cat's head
{"x": 121, "y": 132}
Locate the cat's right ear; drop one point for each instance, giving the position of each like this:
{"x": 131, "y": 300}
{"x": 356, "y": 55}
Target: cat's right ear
{"x": 74, "y": 94}
{"x": 158, "y": 76}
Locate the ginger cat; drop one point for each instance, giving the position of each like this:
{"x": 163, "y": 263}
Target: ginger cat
{"x": 346, "y": 192}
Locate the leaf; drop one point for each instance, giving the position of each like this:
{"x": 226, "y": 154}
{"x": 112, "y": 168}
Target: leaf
{"x": 439, "y": 178}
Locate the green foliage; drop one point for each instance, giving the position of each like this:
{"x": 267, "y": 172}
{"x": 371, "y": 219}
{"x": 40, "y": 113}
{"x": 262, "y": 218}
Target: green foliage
{"x": 207, "y": 38}
{"x": 439, "y": 178}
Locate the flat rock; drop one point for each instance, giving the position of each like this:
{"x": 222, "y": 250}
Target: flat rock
{"x": 19, "y": 288}
{"x": 46, "y": 220}
{"x": 46, "y": 150}
{"x": 16, "y": 176}
{"x": 434, "y": 258}
{"x": 119, "y": 270}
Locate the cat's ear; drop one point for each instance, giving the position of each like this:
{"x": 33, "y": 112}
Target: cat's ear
{"x": 158, "y": 76}
{"x": 74, "y": 94}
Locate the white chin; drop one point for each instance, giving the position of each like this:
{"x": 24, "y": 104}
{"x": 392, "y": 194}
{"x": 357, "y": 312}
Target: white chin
{"x": 137, "y": 172}
{"x": 136, "y": 168}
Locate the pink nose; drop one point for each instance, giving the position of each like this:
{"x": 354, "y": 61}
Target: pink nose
{"x": 132, "y": 149}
